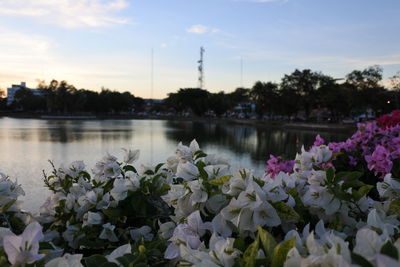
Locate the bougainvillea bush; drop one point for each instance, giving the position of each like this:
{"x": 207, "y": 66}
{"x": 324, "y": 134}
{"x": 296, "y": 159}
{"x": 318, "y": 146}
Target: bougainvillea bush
{"x": 335, "y": 204}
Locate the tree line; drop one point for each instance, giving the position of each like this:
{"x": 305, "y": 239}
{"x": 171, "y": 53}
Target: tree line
{"x": 61, "y": 97}
{"x": 301, "y": 92}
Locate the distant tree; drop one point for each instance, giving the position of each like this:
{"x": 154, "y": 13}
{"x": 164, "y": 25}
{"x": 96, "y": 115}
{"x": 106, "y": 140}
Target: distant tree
{"x": 63, "y": 97}
{"x": 265, "y": 96}
{"x": 25, "y": 100}
{"x": 367, "y": 78}
{"x": 219, "y": 103}
{"x": 289, "y": 101}
{"x": 395, "y": 82}
{"x": 194, "y": 99}
{"x": 305, "y": 83}
{"x": 369, "y": 93}
{"x": 239, "y": 95}
{"x": 3, "y": 99}
{"x": 336, "y": 98}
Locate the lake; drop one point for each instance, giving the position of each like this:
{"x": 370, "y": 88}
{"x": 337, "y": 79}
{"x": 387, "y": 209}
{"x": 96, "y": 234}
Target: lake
{"x": 26, "y": 145}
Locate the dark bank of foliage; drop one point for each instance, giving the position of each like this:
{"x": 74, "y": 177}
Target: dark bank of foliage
{"x": 61, "y": 97}
{"x": 299, "y": 92}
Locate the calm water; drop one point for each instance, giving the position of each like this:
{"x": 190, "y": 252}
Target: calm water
{"x": 26, "y": 145}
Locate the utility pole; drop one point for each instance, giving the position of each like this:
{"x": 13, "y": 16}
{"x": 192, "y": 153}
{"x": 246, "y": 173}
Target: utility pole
{"x": 241, "y": 72}
{"x": 201, "y": 69}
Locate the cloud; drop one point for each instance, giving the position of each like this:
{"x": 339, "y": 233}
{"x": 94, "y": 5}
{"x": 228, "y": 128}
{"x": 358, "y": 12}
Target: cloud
{"x": 201, "y": 29}
{"x": 67, "y": 13}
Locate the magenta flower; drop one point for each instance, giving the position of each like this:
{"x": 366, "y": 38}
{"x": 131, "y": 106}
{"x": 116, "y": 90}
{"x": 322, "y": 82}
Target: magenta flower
{"x": 275, "y": 165}
{"x": 379, "y": 161}
{"x": 318, "y": 141}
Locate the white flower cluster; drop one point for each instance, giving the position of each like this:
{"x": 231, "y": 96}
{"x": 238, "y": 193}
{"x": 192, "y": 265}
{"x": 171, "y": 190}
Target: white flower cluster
{"x": 204, "y": 214}
{"x": 9, "y": 193}
{"x": 210, "y": 201}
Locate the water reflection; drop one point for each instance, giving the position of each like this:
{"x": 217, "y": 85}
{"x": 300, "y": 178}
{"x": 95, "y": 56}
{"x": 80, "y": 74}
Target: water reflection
{"x": 27, "y": 144}
{"x": 259, "y": 142}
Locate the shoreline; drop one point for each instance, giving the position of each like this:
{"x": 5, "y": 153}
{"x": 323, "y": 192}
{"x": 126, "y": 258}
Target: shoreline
{"x": 250, "y": 122}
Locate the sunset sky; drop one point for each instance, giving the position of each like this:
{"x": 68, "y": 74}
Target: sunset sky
{"x": 95, "y": 43}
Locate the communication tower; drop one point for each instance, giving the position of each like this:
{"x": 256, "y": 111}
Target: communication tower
{"x": 201, "y": 69}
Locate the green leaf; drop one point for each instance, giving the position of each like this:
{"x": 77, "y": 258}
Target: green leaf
{"x": 390, "y": 250}
{"x": 285, "y": 212}
{"x": 240, "y": 244}
{"x": 220, "y": 180}
{"x": 200, "y": 166}
{"x": 129, "y": 168}
{"x": 394, "y": 207}
{"x": 112, "y": 213}
{"x": 362, "y": 191}
{"x": 360, "y": 260}
{"x": 249, "y": 256}
{"x": 158, "y": 167}
{"x": 330, "y": 175}
{"x": 98, "y": 261}
{"x": 126, "y": 259}
{"x": 199, "y": 154}
{"x": 8, "y": 205}
{"x": 352, "y": 184}
{"x": 268, "y": 242}
{"x": 260, "y": 182}
{"x": 281, "y": 251}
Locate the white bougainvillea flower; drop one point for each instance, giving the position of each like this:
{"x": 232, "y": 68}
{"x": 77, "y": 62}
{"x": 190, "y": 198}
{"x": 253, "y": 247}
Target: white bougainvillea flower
{"x": 112, "y": 169}
{"x": 196, "y": 257}
{"x": 385, "y": 261}
{"x": 389, "y": 188}
{"x": 108, "y": 233}
{"x": 221, "y": 226}
{"x": 188, "y": 233}
{"x": 70, "y": 235}
{"x": 142, "y": 232}
{"x": 4, "y": 232}
{"x": 379, "y": 220}
{"x": 368, "y": 243}
{"x": 24, "y": 249}
{"x": 187, "y": 170}
{"x": 321, "y": 154}
{"x": 176, "y": 192}
{"x": 119, "y": 252}
{"x": 215, "y": 203}
{"x": 75, "y": 168}
{"x": 130, "y": 156}
{"x": 199, "y": 194}
{"x": 265, "y": 214}
{"x": 120, "y": 189}
{"x": 234, "y": 186}
{"x": 67, "y": 260}
{"x": 92, "y": 218}
{"x": 222, "y": 250}
{"x": 166, "y": 229}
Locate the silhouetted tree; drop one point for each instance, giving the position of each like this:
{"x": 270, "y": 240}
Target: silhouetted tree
{"x": 265, "y": 96}
{"x": 194, "y": 99}
{"x": 25, "y": 100}
{"x": 305, "y": 83}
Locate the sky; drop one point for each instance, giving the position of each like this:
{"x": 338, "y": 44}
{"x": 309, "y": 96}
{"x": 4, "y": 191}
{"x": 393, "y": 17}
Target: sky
{"x": 108, "y": 43}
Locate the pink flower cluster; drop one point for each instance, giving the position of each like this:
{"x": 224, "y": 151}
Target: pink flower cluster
{"x": 277, "y": 164}
{"x": 376, "y": 144}
{"x": 379, "y": 161}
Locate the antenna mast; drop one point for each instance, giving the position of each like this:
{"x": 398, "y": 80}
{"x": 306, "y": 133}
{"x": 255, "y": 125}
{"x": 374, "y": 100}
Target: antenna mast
{"x": 201, "y": 69}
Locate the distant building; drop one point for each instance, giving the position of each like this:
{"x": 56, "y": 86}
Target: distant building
{"x": 14, "y": 88}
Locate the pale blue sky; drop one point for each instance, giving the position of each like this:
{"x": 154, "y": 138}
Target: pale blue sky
{"x": 95, "y": 43}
